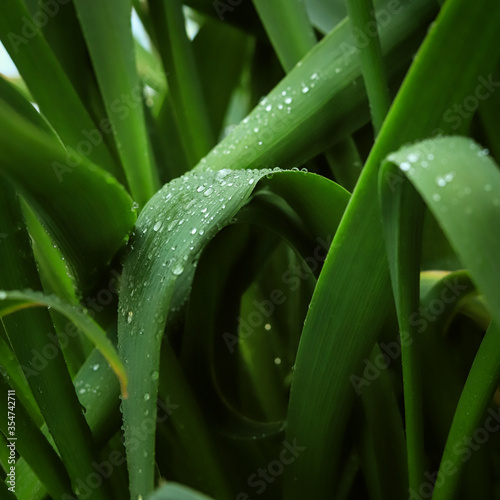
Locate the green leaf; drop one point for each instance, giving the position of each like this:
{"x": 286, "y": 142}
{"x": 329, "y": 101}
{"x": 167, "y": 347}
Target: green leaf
{"x": 31, "y": 444}
{"x": 17, "y": 101}
{"x": 466, "y": 207}
{"x": 171, "y": 231}
{"x": 220, "y": 52}
{"x": 362, "y": 15}
{"x": 318, "y": 103}
{"x": 11, "y": 301}
{"x": 69, "y": 200}
{"x": 287, "y": 25}
{"x": 112, "y": 54}
{"x": 188, "y": 103}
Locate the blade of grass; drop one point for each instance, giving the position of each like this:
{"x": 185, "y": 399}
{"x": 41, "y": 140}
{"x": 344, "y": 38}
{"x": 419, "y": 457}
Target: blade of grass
{"x": 120, "y": 88}
{"x": 56, "y": 280}
{"x": 282, "y": 19}
{"x": 403, "y": 234}
{"x": 12, "y": 301}
{"x": 18, "y": 381}
{"x": 219, "y": 51}
{"x": 12, "y": 95}
{"x": 387, "y": 432}
{"x": 31, "y": 444}
{"x": 362, "y": 15}
{"x": 176, "y": 52}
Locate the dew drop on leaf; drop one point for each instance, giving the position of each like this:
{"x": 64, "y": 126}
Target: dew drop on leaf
{"x": 177, "y": 269}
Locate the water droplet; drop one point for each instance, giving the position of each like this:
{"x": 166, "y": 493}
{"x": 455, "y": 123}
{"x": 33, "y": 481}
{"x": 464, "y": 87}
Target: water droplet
{"x": 436, "y": 197}
{"x": 338, "y": 70}
{"x": 256, "y": 129}
{"x": 305, "y": 90}
{"x": 314, "y": 76}
{"x": 129, "y": 317}
{"x": 200, "y": 189}
{"x": 269, "y": 107}
{"x": 177, "y": 269}
{"x": 157, "y": 225}
{"x": 440, "y": 181}
{"x": 288, "y": 100}
{"x": 449, "y": 177}
{"x": 146, "y": 396}
{"x": 413, "y": 157}
{"x": 251, "y": 181}
{"x": 405, "y": 166}
{"x": 95, "y": 367}
{"x": 193, "y": 231}
{"x": 155, "y": 375}
{"x": 267, "y": 326}
{"x": 277, "y": 361}
{"x": 208, "y": 192}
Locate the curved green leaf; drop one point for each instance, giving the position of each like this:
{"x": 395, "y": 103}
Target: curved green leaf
{"x": 11, "y": 301}
{"x": 467, "y": 208}
{"x": 171, "y": 231}
{"x": 112, "y": 54}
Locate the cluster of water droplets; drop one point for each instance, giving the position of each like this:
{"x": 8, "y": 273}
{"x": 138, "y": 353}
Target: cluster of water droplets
{"x": 461, "y": 191}
{"x": 274, "y": 112}
{"x": 180, "y": 219}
